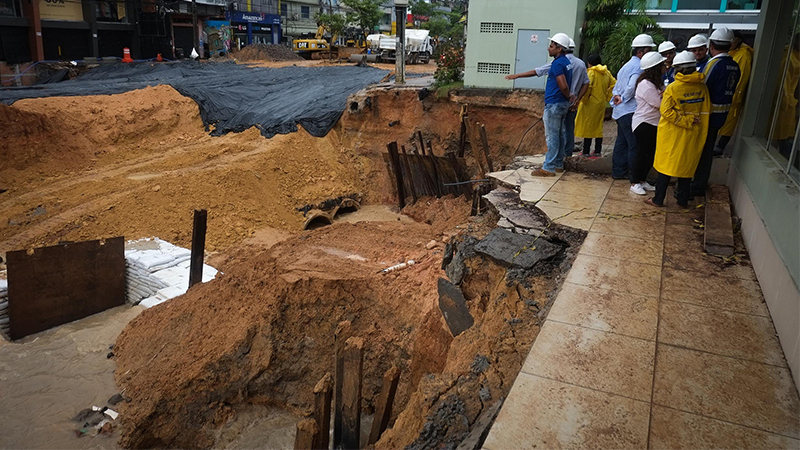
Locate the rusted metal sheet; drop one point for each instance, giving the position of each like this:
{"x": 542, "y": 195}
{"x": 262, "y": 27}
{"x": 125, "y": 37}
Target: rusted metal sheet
{"x": 50, "y": 286}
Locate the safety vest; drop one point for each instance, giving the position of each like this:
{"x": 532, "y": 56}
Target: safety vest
{"x": 721, "y": 76}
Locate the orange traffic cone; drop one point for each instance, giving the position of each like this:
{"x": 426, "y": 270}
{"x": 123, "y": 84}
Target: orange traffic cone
{"x": 126, "y": 55}
{"x": 159, "y": 58}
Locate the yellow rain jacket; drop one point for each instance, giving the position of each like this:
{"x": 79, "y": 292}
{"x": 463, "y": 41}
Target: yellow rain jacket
{"x": 592, "y": 108}
{"x": 787, "y": 113}
{"x": 744, "y": 58}
{"x": 680, "y": 140}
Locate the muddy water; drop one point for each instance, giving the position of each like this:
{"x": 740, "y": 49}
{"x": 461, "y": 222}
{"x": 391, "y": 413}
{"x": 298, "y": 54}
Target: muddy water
{"x": 46, "y": 378}
{"x": 373, "y": 213}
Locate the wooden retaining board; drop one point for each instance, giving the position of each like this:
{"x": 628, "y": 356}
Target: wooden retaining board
{"x": 420, "y": 173}
{"x": 51, "y": 286}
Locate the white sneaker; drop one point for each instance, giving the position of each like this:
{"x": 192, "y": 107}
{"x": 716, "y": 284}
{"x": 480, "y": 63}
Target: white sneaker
{"x": 648, "y": 187}
{"x": 638, "y": 189}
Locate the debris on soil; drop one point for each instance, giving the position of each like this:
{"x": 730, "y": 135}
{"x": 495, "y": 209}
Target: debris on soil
{"x": 266, "y": 52}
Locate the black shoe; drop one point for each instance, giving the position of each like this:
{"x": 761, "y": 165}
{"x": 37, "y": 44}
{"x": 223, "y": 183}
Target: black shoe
{"x": 718, "y": 152}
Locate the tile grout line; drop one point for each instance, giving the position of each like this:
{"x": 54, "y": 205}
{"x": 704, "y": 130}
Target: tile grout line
{"x": 582, "y": 387}
{"x": 603, "y": 331}
{"x": 683, "y": 347}
{"x": 727, "y": 277}
{"x": 712, "y": 307}
{"x": 620, "y": 260}
{"x": 658, "y": 328}
{"x": 611, "y": 290}
{"x": 727, "y": 421}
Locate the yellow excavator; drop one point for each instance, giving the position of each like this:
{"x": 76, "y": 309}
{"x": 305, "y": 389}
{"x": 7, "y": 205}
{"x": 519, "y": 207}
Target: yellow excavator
{"x": 313, "y": 47}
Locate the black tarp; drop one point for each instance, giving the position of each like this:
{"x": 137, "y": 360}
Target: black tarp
{"x": 231, "y": 97}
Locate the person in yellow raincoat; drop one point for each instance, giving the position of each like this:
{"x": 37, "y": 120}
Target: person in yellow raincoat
{"x": 592, "y": 108}
{"x": 786, "y": 122}
{"x": 743, "y": 55}
{"x": 682, "y": 129}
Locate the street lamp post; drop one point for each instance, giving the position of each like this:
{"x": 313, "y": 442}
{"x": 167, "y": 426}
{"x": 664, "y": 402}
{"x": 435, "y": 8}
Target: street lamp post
{"x": 400, "y": 7}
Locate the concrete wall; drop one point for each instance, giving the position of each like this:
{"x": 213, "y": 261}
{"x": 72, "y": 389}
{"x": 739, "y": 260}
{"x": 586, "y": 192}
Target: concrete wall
{"x": 562, "y": 16}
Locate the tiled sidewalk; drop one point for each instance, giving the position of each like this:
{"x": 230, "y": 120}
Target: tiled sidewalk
{"x": 650, "y": 342}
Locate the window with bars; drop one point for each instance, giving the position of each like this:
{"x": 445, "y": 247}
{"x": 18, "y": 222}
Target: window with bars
{"x": 497, "y": 27}
{"x": 500, "y": 68}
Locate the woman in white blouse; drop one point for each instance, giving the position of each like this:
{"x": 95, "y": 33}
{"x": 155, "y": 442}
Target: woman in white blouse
{"x": 649, "y": 88}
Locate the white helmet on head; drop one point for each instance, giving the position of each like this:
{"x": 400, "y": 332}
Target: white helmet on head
{"x": 723, "y": 35}
{"x": 643, "y": 40}
{"x": 684, "y": 58}
{"x": 696, "y": 41}
{"x": 651, "y": 59}
{"x": 561, "y": 39}
{"x": 666, "y": 46}
{"x": 571, "y": 43}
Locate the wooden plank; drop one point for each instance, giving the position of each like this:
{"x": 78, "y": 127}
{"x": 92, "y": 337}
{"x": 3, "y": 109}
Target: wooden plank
{"x": 421, "y": 141}
{"x": 718, "y": 224}
{"x": 462, "y": 135}
{"x": 466, "y": 189}
{"x": 351, "y": 393}
{"x": 323, "y": 394}
{"x": 198, "y": 247}
{"x": 436, "y": 176}
{"x": 55, "y": 285}
{"x": 476, "y": 152}
{"x": 485, "y": 145}
{"x": 343, "y": 332}
{"x": 410, "y": 174}
{"x": 383, "y": 407}
{"x": 398, "y": 174}
{"x": 304, "y": 437}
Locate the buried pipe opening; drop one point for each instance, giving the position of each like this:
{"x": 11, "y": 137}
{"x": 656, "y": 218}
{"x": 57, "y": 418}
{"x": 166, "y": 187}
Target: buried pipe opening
{"x": 347, "y": 206}
{"x": 316, "y": 219}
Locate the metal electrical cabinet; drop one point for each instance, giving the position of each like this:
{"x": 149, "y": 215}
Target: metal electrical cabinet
{"x": 531, "y": 53}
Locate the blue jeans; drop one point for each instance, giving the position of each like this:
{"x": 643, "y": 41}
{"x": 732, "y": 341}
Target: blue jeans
{"x": 569, "y": 132}
{"x": 623, "y": 160}
{"x": 554, "y": 114}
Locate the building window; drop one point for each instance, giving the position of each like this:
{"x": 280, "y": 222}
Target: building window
{"x": 110, "y": 11}
{"x": 305, "y": 12}
{"x": 284, "y": 9}
{"x": 10, "y": 8}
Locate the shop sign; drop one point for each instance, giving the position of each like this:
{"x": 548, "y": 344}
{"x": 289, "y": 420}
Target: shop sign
{"x": 223, "y": 3}
{"x": 251, "y": 17}
{"x": 61, "y": 10}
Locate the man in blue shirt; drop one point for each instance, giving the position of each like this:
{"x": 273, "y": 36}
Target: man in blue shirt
{"x": 557, "y": 99}
{"x": 722, "y": 75}
{"x": 624, "y": 103}
{"x": 667, "y": 50}
{"x": 698, "y": 44}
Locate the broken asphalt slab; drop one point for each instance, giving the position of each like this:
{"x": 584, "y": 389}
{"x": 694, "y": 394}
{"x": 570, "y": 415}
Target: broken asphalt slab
{"x": 509, "y": 206}
{"x": 516, "y": 250}
{"x": 454, "y": 307}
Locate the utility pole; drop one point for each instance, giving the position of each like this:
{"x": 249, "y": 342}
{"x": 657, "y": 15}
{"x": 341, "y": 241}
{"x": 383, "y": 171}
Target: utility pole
{"x": 194, "y": 29}
{"x": 400, "y": 7}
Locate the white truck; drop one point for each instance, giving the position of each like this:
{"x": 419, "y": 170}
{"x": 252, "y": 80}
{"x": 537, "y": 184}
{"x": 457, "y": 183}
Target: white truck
{"x": 418, "y": 46}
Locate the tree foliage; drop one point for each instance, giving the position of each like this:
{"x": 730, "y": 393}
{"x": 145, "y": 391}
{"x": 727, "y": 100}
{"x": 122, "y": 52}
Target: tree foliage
{"x": 365, "y": 13}
{"x": 442, "y": 24}
{"x": 610, "y": 27}
{"x": 333, "y": 23}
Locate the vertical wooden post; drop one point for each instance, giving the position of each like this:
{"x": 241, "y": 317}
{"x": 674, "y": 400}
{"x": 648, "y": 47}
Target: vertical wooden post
{"x": 436, "y": 178}
{"x": 462, "y": 137}
{"x": 304, "y": 438}
{"x": 398, "y": 174}
{"x": 410, "y": 175}
{"x": 421, "y": 142}
{"x": 485, "y": 142}
{"x": 476, "y": 148}
{"x": 466, "y": 189}
{"x": 383, "y": 408}
{"x": 351, "y": 393}
{"x": 343, "y": 332}
{"x": 198, "y": 247}
{"x": 323, "y": 393}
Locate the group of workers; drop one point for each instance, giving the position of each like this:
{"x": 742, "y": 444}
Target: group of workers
{"x": 670, "y": 108}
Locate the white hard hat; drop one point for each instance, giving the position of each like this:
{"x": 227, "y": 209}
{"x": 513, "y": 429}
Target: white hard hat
{"x": 652, "y": 59}
{"x": 666, "y": 46}
{"x": 697, "y": 41}
{"x": 561, "y": 39}
{"x": 684, "y": 57}
{"x": 724, "y": 35}
{"x": 643, "y": 40}
{"x": 571, "y": 43}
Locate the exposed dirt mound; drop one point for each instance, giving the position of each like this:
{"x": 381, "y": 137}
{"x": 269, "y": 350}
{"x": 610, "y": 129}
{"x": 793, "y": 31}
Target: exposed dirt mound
{"x": 263, "y": 333}
{"x": 28, "y": 138}
{"x": 266, "y": 52}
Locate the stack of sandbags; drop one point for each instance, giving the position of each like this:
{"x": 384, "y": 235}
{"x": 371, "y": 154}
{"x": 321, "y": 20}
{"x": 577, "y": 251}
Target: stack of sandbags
{"x": 4, "y": 320}
{"x": 157, "y": 271}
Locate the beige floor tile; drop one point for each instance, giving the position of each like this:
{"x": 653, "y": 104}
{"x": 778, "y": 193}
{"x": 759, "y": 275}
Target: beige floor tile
{"x": 636, "y": 209}
{"x": 604, "y": 310}
{"x": 691, "y": 217}
{"x": 531, "y": 193}
{"x": 722, "y": 332}
{"x": 743, "y": 392}
{"x": 583, "y": 188}
{"x": 683, "y": 249}
{"x": 546, "y": 414}
{"x": 572, "y": 201}
{"x": 651, "y": 228}
{"x": 593, "y": 181}
{"x": 671, "y": 429}
{"x": 611, "y": 274}
{"x": 623, "y": 248}
{"x": 569, "y": 217}
{"x": 593, "y": 359}
{"x": 732, "y": 294}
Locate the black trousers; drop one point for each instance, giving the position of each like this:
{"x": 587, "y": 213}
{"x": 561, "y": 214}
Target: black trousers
{"x": 703, "y": 172}
{"x": 645, "y": 151}
{"x": 587, "y": 145}
{"x": 682, "y": 190}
